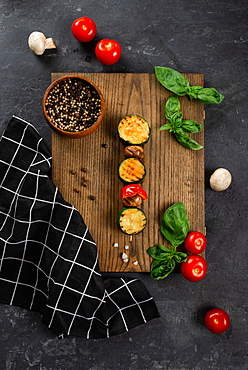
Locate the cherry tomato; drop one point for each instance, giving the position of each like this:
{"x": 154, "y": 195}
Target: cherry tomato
{"x": 195, "y": 268}
{"x": 108, "y": 51}
{"x": 195, "y": 242}
{"x": 217, "y": 320}
{"x": 84, "y": 29}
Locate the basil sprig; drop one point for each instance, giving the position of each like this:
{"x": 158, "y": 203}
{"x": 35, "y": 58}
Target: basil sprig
{"x": 179, "y": 85}
{"x": 179, "y": 126}
{"x": 175, "y": 224}
{"x": 175, "y": 227}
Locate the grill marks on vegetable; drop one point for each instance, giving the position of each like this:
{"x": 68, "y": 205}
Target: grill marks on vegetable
{"x": 134, "y": 129}
{"x": 73, "y": 105}
{"x": 132, "y": 220}
{"x": 132, "y": 170}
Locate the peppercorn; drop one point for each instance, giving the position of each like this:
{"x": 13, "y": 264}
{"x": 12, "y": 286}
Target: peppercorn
{"x": 73, "y": 105}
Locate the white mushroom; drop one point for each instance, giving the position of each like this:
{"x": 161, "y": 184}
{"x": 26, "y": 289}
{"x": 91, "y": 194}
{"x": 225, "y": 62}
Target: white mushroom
{"x": 220, "y": 179}
{"x": 38, "y": 42}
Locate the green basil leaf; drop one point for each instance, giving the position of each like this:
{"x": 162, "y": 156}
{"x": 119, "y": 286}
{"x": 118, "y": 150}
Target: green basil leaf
{"x": 172, "y": 106}
{"x": 172, "y": 80}
{"x": 176, "y": 121}
{"x": 209, "y": 96}
{"x": 191, "y": 126}
{"x": 175, "y": 224}
{"x": 172, "y": 112}
{"x": 160, "y": 252}
{"x": 186, "y": 141}
{"x": 167, "y": 126}
{"x": 178, "y": 84}
{"x": 193, "y": 90}
{"x": 161, "y": 269}
{"x": 180, "y": 257}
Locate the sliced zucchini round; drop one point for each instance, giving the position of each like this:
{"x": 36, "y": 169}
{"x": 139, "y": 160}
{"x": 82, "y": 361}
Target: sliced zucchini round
{"x": 134, "y": 129}
{"x": 132, "y": 220}
{"x": 132, "y": 170}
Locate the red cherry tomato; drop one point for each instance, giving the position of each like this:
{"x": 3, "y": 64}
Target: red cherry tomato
{"x": 108, "y": 51}
{"x": 195, "y": 242}
{"x": 217, "y": 320}
{"x": 84, "y": 29}
{"x": 195, "y": 268}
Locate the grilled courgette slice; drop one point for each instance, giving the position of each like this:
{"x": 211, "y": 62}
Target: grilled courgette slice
{"x": 134, "y": 129}
{"x": 132, "y": 170}
{"x": 132, "y": 220}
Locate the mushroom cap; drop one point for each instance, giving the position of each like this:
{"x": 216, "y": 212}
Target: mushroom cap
{"x": 220, "y": 179}
{"x": 37, "y": 42}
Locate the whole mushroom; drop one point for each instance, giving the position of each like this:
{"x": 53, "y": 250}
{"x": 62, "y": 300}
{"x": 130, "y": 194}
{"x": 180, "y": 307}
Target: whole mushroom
{"x": 220, "y": 179}
{"x": 38, "y": 42}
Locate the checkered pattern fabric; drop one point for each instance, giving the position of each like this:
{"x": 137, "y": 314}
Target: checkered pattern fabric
{"x": 48, "y": 258}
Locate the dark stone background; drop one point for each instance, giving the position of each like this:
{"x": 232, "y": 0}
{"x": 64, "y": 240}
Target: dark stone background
{"x": 203, "y": 36}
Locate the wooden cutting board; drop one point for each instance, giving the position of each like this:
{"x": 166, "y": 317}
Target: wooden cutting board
{"x": 86, "y": 170}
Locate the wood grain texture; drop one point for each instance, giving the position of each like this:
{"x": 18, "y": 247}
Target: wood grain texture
{"x": 86, "y": 170}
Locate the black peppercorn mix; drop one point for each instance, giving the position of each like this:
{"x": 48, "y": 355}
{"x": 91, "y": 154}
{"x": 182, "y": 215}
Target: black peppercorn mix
{"x": 73, "y": 105}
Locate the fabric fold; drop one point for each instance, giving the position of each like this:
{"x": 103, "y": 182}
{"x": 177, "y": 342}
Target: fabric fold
{"x": 48, "y": 258}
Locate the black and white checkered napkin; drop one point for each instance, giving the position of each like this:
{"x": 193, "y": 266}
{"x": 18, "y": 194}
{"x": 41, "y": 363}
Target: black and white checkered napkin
{"x": 48, "y": 259}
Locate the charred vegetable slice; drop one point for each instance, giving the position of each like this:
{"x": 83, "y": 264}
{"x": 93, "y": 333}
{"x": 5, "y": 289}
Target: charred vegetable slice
{"x": 132, "y": 220}
{"x": 136, "y": 151}
{"x": 131, "y": 190}
{"x": 132, "y": 170}
{"x": 134, "y": 201}
{"x": 134, "y": 129}
{"x": 132, "y": 195}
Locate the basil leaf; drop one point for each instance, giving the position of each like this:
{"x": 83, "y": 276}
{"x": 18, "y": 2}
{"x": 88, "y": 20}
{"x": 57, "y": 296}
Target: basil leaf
{"x": 186, "y": 141}
{"x": 175, "y": 121}
{"x": 160, "y": 252}
{"x": 193, "y": 90}
{"x": 167, "y": 126}
{"x": 180, "y": 257}
{"x": 178, "y": 84}
{"x": 209, "y": 96}
{"x": 161, "y": 269}
{"x": 172, "y": 106}
{"x": 180, "y": 126}
{"x": 175, "y": 224}
{"x": 172, "y": 112}
{"x": 191, "y": 126}
{"x": 172, "y": 80}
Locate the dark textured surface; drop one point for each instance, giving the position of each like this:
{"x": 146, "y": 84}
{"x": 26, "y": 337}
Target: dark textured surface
{"x": 202, "y": 36}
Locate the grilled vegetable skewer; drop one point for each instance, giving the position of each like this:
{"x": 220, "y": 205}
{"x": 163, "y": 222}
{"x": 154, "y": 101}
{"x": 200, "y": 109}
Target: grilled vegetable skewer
{"x": 134, "y": 131}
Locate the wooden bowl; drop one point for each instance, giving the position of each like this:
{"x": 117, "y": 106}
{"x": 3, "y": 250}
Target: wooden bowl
{"x": 56, "y": 119}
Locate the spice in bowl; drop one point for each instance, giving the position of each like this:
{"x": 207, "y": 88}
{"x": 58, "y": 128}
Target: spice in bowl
{"x": 73, "y": 105}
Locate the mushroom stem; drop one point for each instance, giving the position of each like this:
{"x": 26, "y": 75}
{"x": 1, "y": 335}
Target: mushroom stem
{"x": 49, "y": 43}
